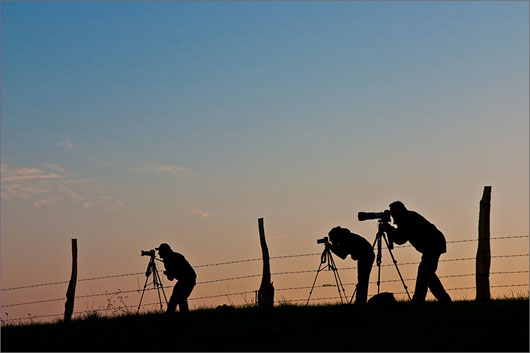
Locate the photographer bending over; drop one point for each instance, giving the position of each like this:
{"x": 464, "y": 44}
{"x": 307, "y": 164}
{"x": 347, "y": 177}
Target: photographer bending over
{"x": 177, "y": 268}
{"x": 344, "y": 243}
{"x": 425, "y": 238}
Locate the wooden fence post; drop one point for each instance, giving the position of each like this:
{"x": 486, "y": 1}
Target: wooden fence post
{"x": 266, "y": 290}
{"x": 483, "y": 252}
{"x": 70, "y": 292}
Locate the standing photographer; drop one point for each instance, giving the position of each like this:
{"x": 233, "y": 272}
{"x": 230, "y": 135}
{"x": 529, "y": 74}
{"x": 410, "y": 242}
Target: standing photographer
{"x": 344, "y": 243}
{"x": 177, "y": 267}
{"x": 425, "y": 238}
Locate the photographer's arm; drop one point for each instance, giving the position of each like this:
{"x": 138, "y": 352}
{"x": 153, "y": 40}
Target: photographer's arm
{"x": 169, "y": 276}
{"x": 169, "y": 272}
{"x": 394, "y": 234}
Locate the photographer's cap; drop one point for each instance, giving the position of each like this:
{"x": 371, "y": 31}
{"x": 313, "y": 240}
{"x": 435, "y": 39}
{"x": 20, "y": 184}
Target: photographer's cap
{"x": 163, "y": 248}
{"x": 397, "y": 205}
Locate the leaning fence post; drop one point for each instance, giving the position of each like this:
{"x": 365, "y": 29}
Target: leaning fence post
{"x": 266, "y": 290}
{"x": 483, "y": 252}
{"x": 70, "y": 292}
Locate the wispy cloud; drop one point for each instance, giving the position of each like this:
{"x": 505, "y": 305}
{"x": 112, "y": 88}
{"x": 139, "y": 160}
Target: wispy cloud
{"x": 41, "y": 202}
{"x": 52, "y": 185}
{"x": 171, "y": 169}
{"x": 165, "y": 168}
{"x": 55, "y": 168}
{"x": 67, "y": 143}
{"x": 202, "y": 213}
{"x": 19, "y": 174}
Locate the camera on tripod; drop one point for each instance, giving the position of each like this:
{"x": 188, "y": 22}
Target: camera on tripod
{"x": 148, "y": 252}
{"x": 382, "y": 216}
{"x": 152, "y": 270}
{"x": 327, "y": 263}
{"x": 324, "y": 240}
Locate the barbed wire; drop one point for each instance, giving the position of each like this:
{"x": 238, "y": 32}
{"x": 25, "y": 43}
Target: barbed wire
{"x": 494, "y": 238}
{"x": 249, "y": 276}
{"x": 34, "y": 285}
{"x": 230, "y": 279}
{"x": 346, "y": 284}
{"x": 498, "y": 286}
{"x": 77, "y": 313}
{"x": 444, "y": 260}
{"x": 78, "y": 280}
{"x": 79, "y": 297}
{"x": 221, "y": 295}
{"x": 313, "y": 254}
{"x": 230, "y": 262}
{"x": 256, "y": 275}
{"x": 279, "y": 301}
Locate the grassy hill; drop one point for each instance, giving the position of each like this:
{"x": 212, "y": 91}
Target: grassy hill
{"x": 499, "y": 325}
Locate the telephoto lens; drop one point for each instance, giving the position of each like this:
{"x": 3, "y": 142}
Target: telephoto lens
{"x": 363, "y": 216}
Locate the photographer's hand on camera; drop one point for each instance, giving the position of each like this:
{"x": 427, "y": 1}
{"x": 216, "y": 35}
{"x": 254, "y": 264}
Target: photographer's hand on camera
{"x": 169, "y": 277}
{"x": 387, "y": 228}
{"x": 395, "y": 235}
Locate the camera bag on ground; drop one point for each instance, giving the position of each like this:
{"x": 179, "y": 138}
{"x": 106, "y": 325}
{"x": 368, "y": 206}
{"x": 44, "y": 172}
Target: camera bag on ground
{"x": 382, "y": 298}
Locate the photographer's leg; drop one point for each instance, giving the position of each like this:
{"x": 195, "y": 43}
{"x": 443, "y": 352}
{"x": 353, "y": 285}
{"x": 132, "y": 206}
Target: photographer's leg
{"x": 427, "y": 277}
{"x": 364, "y": 267}
{"x": 184, "y": 291}
{"x": 437, "y": 288}
{"x": 422, "y": 280}
{"x": 172, "y": 304}
{"x": 183, "y": 306}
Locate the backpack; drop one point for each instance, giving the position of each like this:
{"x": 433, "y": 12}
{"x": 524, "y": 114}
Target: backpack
{"x": 382, "y": 298}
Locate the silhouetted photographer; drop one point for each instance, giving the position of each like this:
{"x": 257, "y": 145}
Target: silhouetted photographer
{"x": 177, "y": 267}
{"x": 428, "y": 240}
{"x": 344, "y": 243}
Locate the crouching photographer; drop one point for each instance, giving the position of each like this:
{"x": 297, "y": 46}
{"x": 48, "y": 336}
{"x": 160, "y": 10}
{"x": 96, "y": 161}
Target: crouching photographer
{"x": 344, "y": 243}
{"x": 177, "y": 267}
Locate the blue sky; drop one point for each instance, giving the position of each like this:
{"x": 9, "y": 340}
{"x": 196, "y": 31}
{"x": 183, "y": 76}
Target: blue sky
{"x": 111, "y": 74}
{"x": 131, "y": 123}
{"x": 282, "y": 89}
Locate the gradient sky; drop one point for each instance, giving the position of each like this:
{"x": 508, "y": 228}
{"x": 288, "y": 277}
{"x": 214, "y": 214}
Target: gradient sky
{"x": 127, "y": 124}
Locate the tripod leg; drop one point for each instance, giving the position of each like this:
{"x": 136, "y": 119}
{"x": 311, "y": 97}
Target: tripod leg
{"x": 338, "y": 288}
{"x": 156, "y": 284}
{"x": 379, "y": 235}
{"x": 331, "y": 264}
{"x": 161, "y": 286}
{"x": 145, "y": 285}
{"x": 395, "y": 264}
{"x": 353, "y": 295}
{"x": 315, "y": 281}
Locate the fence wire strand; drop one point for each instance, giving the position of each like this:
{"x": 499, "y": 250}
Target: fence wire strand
{"x": 281, "y": 301}
{"x": 222, "y": 295}
{"x": 106, "y": 293}
{"x": 115, "y": 293}
{"x": 235, "y": 262}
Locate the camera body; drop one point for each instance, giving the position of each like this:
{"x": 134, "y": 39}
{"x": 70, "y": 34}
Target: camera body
{"x": 382, "y": 216}
{"x": 324, "y": 240}
{"x": 148, "y": 252}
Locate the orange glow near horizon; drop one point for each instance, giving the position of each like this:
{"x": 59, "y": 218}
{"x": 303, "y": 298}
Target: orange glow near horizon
{"x": 185, "y": 122}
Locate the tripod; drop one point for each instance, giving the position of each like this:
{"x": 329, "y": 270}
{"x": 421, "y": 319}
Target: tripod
{"x": 327, "y": 259}
{"x": 382, "y": 235}
{"x": 157, "y": 283}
